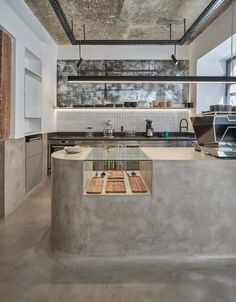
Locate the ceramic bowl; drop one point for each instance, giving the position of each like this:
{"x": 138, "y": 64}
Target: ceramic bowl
{"x": 73, "y": 149}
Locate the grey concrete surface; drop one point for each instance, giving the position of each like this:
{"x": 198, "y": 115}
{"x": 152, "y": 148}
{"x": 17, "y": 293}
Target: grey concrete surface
{"x": 28, "y": 273}
{"x": 121, "y": 19}
{"x": 14, "y": 174}
{"x": 191, "y": 211}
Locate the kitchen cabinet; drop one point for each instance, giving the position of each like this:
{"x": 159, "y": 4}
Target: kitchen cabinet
{"x": 34, "y": 162}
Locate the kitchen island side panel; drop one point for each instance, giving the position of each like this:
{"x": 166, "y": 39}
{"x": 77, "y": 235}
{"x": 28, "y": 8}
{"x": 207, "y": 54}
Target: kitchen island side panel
{"x": 191, "y": 211}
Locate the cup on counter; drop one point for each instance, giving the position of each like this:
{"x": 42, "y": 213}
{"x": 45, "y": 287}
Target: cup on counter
{"x": 218, "y": 107}
{"x": 155, "y": 104}
{"x": 89, "y": 132}
{"x": 165, "y": 134}
{"x": 143, "y": 104}
{"x": 212, "y": 108}
{"x": 126, "y": 104}
{"x": 227, "y": 108}
{"x": 133, "y": 104}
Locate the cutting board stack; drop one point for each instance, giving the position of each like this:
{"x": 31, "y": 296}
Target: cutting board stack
{"x": 5, "y": 85}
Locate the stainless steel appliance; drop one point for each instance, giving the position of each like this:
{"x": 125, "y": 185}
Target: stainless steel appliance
{"x": 149, "y": 128}
{"x": 108, "y": 131}
{"x": 33, "y": 161}
{"x": 216, "y": 133}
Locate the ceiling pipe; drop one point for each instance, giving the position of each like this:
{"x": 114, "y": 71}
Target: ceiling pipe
{"x": 197, "y": 25}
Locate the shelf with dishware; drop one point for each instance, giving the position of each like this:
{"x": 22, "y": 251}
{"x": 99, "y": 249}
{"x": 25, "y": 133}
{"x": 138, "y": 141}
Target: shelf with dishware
{"x": 131, "y": 106}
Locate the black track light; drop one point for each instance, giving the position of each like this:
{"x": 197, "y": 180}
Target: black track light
{"x": 176, "y": 62}
{"x": 173, "y": 57}
{"x": 80, "y": 58}
{"x": 79, "y": 63}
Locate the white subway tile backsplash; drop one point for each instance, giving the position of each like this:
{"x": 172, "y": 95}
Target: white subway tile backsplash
{"x": 80, "y": 119}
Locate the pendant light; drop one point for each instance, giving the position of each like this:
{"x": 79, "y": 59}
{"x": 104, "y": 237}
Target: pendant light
{"x": 80, "y": 52}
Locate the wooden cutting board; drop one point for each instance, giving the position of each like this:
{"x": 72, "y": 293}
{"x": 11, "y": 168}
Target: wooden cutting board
{"x": 137, "y": 185}
{"x": 115, "y": 174}
{"x": 115, "y": 186}
{"x": 95, "y": 185}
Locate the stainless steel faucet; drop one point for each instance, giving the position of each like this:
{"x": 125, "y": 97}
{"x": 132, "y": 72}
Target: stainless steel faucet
{"x": 181, "y": 126}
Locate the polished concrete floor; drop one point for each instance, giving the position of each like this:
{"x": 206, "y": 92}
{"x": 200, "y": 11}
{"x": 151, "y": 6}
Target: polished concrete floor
{"x": 28, "y": 272}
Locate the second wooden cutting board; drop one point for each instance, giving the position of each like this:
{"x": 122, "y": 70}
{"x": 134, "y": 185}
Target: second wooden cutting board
{"x": 117, "y": 186}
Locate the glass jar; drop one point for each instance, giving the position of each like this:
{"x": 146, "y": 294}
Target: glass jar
{"x": 89, "y": 132}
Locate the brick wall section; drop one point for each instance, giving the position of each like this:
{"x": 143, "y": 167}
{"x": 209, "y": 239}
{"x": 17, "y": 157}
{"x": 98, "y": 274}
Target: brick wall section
{"x": 5, "y": 85}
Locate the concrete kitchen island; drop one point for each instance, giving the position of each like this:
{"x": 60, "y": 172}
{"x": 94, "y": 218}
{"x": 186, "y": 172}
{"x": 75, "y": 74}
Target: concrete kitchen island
{"x": 191, "y": 209}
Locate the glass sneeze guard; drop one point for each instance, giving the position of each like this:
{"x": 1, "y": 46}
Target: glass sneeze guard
{"x": 117, "y": 154}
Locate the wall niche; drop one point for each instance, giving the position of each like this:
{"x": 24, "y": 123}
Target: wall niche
{"x": 79, "y": 95}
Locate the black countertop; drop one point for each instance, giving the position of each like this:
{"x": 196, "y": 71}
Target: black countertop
{"x": 140, "y": 136}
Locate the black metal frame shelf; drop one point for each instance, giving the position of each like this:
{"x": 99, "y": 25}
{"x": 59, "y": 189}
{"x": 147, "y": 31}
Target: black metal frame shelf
{"x": 194, "y": 28}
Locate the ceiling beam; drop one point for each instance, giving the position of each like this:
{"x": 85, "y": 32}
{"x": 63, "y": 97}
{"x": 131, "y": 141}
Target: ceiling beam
{"x": 63, "y": 20}
{"x": 127, "y": 42}
{"x": 201, "y": 20}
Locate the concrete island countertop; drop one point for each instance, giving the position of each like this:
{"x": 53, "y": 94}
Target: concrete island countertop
{"x": 154, "y": 153}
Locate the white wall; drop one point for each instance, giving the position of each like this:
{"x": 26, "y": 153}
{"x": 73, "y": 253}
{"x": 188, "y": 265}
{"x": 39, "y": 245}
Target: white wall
{"x": 209, "y": 93}
{"x": 122, "y": 52}
{"x": 17, "y": 19}
{"x": 217, "y": 33}
{"x": 78, "y": 120}
{"x": 130, "y": 119}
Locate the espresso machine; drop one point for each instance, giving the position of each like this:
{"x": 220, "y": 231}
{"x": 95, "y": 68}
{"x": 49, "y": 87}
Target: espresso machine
{"x": 216, "y": 133}
{"x": 149, "y": 128}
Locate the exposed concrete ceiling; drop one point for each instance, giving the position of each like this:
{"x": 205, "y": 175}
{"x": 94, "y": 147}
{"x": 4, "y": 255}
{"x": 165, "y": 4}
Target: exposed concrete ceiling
{"x": 121, "y": 19}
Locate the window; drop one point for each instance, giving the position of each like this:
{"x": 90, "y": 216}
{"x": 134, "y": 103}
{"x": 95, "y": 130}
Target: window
{"x": 231, "y": 88}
